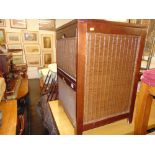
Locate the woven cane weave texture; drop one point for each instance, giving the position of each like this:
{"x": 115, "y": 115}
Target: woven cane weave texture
{"x": 109, "y": 75}
{"x": 67, "y": 97}
{"x": 66, "y": 54}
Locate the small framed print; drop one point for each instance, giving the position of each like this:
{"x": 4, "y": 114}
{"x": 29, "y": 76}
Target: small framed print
{"x": 32, "y": 49}
{"x": 33, "y": 60}
{"x": 2, "y": 36}
{"x": 47, "y": 58}
{"x": 47, "y": 24}
{"x": 30, "y": 37}
{"x": 2, "y": 22}
{"x": 18, "y": 59}
{"x": 13, "y": 37}
{"x": 47, "y": 42}
{"x": 16, "y": 46}
{"x": 20, "y": 24}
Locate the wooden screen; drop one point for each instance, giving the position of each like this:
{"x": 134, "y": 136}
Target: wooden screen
{"x": 109, "y": 75}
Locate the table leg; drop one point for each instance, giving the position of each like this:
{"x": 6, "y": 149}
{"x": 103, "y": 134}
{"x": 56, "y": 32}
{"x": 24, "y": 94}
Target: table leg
{"x": 143, "y": 110}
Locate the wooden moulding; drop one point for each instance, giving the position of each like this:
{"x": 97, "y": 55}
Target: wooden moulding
{"x": 82, "y": 28}
{"x": 105, "y": 121}
{"x": 137, "y": 72}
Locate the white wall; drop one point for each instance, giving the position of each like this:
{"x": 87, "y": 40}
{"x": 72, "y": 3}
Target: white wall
{"x": 60, "y": 22}
{"x": 32, "y": 25}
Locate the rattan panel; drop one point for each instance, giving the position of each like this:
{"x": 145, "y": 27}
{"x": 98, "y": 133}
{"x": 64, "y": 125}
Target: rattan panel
{"x": 109, "y": 75}
{"x": 67, "y": 97}
{"x": 66, "y": 55}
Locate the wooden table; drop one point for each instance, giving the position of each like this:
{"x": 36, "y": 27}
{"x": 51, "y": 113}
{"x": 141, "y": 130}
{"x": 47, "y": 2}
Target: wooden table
{"x": 9, "y": 118}
{"x": 9, "y": 108}
{"x": 143, "y": 108}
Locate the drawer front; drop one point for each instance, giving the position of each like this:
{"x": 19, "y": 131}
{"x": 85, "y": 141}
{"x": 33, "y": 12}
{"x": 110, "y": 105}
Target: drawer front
{"x": 67, "y": 96}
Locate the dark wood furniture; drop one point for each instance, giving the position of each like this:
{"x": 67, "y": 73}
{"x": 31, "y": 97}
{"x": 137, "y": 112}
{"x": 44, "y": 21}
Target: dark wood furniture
{"x": 98, "y": 70}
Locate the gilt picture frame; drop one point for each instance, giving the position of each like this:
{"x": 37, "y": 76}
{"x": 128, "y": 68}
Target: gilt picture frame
{"x": 47, "y": 41}
{"x": 18, "y": 23}
{"x": 47, "y": 58}
{"x": 47, "y": 24}
{"x": 33, "y": 60}
{"x": 30, "y": 37}
{"x": 13, "y": 37}
{"x": 18, "y": 59}
{"x": 16, "y": 46}
{"x": 32, "y": 49}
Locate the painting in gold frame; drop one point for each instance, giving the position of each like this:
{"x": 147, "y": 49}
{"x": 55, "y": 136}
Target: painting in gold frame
{"x": 18, "y": 23}
{"x": 13, "y": 37}
{"x": 30, "y": 37}
{"x": 47, "y": 58}
{"x": 32, "y": 49}
{"x": 33, "y": 60}
{"x": 47, "y": 41}
{"x": 16, "y": 46}
{"x": 47, "y": 24}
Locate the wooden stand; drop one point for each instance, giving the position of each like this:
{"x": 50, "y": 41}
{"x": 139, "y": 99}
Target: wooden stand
{"x": 143, "y": 108}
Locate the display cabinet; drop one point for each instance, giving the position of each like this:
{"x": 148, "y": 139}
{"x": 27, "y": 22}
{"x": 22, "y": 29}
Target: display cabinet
{"x": 98, "y": 70}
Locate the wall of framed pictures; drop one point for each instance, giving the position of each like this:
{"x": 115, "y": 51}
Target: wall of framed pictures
{"x": 36, "y": 38}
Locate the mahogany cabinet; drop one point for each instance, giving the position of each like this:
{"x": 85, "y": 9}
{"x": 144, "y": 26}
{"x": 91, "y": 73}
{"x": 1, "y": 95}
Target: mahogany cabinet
{"x": 98, "y": 67}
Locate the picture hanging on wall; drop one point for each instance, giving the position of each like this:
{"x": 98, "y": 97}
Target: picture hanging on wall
{"x": 47, "y": 58}
{"x": 30, "y": 37}
{"x": 2, "y": 36}
{"x": 13, "y": 37}
{"x": 20, "y": 24}
{"x": 47, "y": 41}
{"x": 18, "y": 59}
{"x": 47, "y": 24}
{"x": 33, "y": 60}
{"x": 16, "y": 46}
{"x": 2, "y": 22}
{"x": 32, "y": 49}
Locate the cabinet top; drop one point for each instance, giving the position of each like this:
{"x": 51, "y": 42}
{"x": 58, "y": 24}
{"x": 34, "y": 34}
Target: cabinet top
{"x": 100, "y": 21}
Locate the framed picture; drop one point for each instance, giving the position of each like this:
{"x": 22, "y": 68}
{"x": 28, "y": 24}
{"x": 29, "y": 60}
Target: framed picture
{"x": 16, "y": 46}
{"x": 47, "y": 58}
{"x": 32, "y": 49}
{"x": 2, "y": 22}
{"x": 21, "y": 24}
{"x": 2, "y": 36}
{"x": 47, "y": 42}
{"x": 13, "y": 37}
{"x": 33, "y": 60}
{"x": 18, "y": 59}
{"x": 30, "y": 37}
{"x": 47, "y": 24}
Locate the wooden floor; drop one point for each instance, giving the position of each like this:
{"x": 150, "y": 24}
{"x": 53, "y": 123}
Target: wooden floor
{"x": 118, "y": 128}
